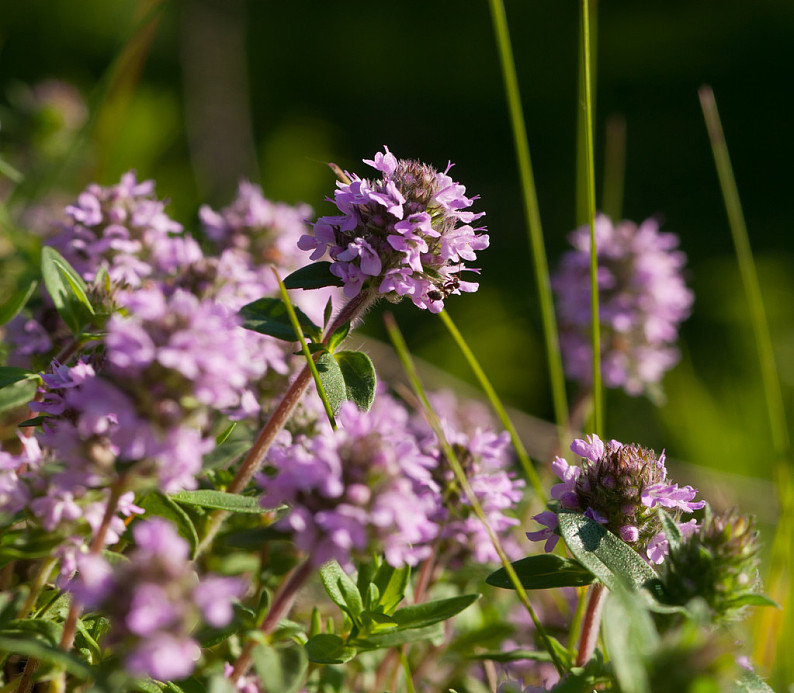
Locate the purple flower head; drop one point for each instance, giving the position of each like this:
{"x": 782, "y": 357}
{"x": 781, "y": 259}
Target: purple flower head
{"x": 124, "y": 229}
{"x": 619, "y": 486}
{"x": 485, "y": 456}
{"x": 642, "y": 301}
{"x": 155, "y": 600}
{"x": 406, "y": 233}
{"x": 348, "y": 490}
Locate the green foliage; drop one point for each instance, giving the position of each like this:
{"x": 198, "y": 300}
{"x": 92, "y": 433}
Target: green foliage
{"x": 543, "y": 571}
{"x": 314, "y": 276}
{"x": 359, "y": 376}
{"x": 18, "y": 300}
{"x": 219, "y": 500}
{"x": 269, "y": 316}
{"x": 67, "y": 290}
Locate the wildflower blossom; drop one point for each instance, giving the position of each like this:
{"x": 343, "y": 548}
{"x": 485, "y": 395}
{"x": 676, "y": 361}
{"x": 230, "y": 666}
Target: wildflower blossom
{"x": 348, "y": 491}
{"x": 406, "y": 233}
{"x": 642, "y": 301}
{"x": 155, "y": 601}
{"x": 485, "y": 457}
{"x": 124, "y": 229}
{"x": 618, "y": 486}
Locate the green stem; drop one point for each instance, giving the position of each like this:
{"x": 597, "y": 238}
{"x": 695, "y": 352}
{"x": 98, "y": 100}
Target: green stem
{"x": 405, "y": 357}
{"x": 256, "y": 455}
{"x": 598, "y": 395}
{"x": 496, "y": 403}
{"x": 752, "y": 288}
{"x": 293, "y": 318}
{"x": 534, "y": 229}
{"x": 771, "y": 627}
{"x": 582, "y": 181}
{"x": 42, "y": 575}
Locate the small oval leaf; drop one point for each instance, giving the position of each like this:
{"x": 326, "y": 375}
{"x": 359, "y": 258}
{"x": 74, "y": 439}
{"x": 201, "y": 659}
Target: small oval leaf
{"x": 609, "y": 558}
{"x": 428, "y": 613}
{"x": 328, "y": 649}
{"x": 360, "y": 378}
{"x": 332, "y": 380}
{"x": 314, "y": 276}
{"x": 220, "y": 500}
{"x": 10, "y": 309}
{"x": 543, "y": 571}
{"x": 66, "y": 288}
{"x": 269, "y": 316}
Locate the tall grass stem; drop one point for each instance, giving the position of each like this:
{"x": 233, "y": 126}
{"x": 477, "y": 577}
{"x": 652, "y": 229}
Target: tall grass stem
{"x": 293, "y": 318}
{"x": 534, "y": 229}
{"x": 598, "y": 393}
{"x": 405, "y": 357}
{"x": 521, "y": 451}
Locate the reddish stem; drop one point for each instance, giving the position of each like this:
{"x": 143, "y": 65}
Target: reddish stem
{"x": 592, "y": 622}
{"x": 282, "y": 603}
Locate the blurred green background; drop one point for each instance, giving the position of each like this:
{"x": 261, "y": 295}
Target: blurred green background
{"x": 198, "y": 94}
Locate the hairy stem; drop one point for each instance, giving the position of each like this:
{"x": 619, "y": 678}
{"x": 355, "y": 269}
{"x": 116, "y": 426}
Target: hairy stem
{"x": 256, "y": 455}
{"x": 592, "y": 622}
{"x": 282, "y": 603}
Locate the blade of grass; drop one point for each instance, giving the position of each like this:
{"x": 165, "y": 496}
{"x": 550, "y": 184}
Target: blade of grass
{"x": 772, "y": 627}
{"x": 598, "y": 394}
{"x": 405, "y": 357}
{"x": 747, "y": 269}
{"x": 582, "y": 181}
{"x": 534, "y": 229}
{"x": 521, "y": 451}
{"x": 305, "y": 349}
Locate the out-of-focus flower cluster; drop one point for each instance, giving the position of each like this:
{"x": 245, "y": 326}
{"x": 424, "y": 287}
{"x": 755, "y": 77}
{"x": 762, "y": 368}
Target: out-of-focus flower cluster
{"x": 618, "y": 486}
{"x": 348, "y": 490}
{"x": 405, "y": 234}
{"x": 155, "y": 601}
{"x": 642, "y": 301}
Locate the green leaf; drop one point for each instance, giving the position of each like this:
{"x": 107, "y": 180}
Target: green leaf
{"x": 428, "y": 613}
{"x": 391, "y": 583}
{"x": 35, "y": 421}
{"x": 328, "y": 649}
{"x": 341, "y": 589}
{"x": 543, "y": 571}
{"x": 332, "y": 379}
{"x": 280, "y": 668}
{"x": 10, "y": 375}
{"x": 314, "y": 276}
{"x": 10, "y": 309}
{"x": 45, "y": 653}
{"x": 225, "y": 454}
{"x": 328, "y": 311}
{"x": 360, "y": 378}
{"x": 269, "y": 316}
{"x": 671, "y": 529}
{"x": 338, "y": 336}
{"x": 396, "y": 637}
{"x": 66, "y": 288}
{"x": 49, "y": 630}
{"x": 147, "y": 686}
{"x": 631, "y": 638}
{"x": 609, "y": 558}
{"x": 155, "y": 503}
{"x": 221, "y": 438}
{"x": 17, "y": 387}
{"x": 25, "y": 544}
{"x": 750, "y": 682}
{"x": 753, "y": 599}
{"x": 207, "y": 498}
